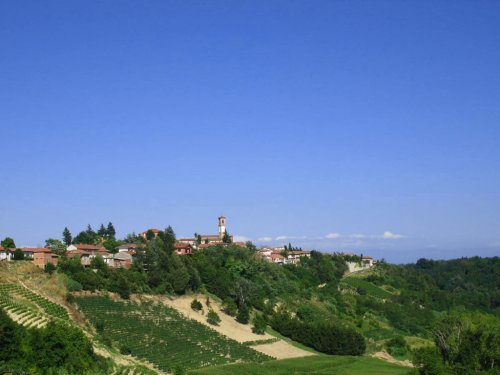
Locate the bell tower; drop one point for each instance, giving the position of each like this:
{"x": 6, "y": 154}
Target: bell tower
{"x": 222, "y": 227}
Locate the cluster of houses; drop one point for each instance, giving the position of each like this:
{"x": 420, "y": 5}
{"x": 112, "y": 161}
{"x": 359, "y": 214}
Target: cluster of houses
{"x": 280, "y": 256}
{"x": 123, "y": 257}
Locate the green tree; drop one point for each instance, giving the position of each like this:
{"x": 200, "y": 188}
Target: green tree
{"x": 102, "y": 232}
{"x": 55, "y": 246}
{"x": 243, "y": 316}
{"x": 18, "y": 254}
{"x": 110, "y": 231}
{"x": 67, "y": 238}
{"x": 259, "y": 324}
{"x": 50, "y": 268}
{"x": 212, "y": 317}
{"x": 196, "y": 305}
{"x": 226, "y": 238}
{"x": 8, "y": 243}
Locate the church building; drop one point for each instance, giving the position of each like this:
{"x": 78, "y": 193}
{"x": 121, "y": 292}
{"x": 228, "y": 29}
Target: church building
{"x": 209, "y": 239}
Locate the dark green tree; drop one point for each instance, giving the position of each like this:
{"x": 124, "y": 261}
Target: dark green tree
{"x": 8, "y": 243}
{"x": 212, "y": 317}
{"x": 18, "y": 254}
{"x": 102, "y": 232}
{"x": 226, "y": 238}
{"x": 110, "y": 231}
{"x": 67, "y": 238}
{"x": 243, "y": 316}
{"x": 55, "y": 246}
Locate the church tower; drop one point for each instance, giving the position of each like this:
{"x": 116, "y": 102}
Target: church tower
{"x": 222, "y": 227}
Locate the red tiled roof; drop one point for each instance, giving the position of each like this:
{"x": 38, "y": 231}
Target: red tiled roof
{"x": 36, "y": 249}
{"x": 367, "y": 257}
{"x": 85, "y": 246}
{"x": 154, "y": 230}
{"x": 180, "y": 245}
{"x": 1, "y": 248}
{"x": 277, "y": 256}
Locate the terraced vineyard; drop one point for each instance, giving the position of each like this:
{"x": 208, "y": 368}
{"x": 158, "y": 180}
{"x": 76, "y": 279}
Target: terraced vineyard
{"x": 367, "y": 287}
{"x": 160, "y": 335}
{"x": 28, "y": 308}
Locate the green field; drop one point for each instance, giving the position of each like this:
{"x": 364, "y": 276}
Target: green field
{"x": 321, "y": 365}
{"x": 160, "y": 335}
{"x": 367, "y": 287}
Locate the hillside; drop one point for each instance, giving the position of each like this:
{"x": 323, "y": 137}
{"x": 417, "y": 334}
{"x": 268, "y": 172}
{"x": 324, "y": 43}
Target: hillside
{"x": 266, "y": 312}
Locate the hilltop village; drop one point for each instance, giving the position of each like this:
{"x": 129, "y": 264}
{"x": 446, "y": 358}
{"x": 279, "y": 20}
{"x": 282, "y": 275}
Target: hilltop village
{"x": 124, "y": 253}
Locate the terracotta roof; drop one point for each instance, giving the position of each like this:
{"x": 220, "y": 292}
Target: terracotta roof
{"x": 78, "y": 252}
{"x": 86, "y": 246}
{"x": 154, "y": 230}
{"x": 367, "y": 257}
{"x": 36, "y": 249}
{"x": 1, "y": 248}
{"x": 122, "y": 256}
{"x": 180, "y": 245}
{"x": 130, "y": 246}
{"x": 277, "y": 256}
{"x": 242, "y": 244}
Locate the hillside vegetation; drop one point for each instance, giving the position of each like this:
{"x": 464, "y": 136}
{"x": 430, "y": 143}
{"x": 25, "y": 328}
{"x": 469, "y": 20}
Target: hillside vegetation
{"x": 442, "y": 315}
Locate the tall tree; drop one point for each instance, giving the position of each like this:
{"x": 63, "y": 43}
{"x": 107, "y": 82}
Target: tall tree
{"x": 226, "y": 238}
{"x": 111, "y": 232}
{"x": 67, "y": 238}
{"x": 55, "y": 245}
{"x": 8, "y": 243}
{"x": 102, "y": 232}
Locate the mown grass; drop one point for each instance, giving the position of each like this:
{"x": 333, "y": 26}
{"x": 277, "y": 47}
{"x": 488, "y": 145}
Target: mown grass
{"x": 320, "y": 365}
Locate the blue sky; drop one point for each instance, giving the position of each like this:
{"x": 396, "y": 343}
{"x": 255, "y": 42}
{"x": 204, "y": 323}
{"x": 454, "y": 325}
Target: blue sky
{"x": 335, "y": 125}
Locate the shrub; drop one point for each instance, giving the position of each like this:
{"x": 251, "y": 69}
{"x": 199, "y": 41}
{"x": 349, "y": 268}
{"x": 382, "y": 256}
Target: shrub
{"x": 230, "y": 307}
{"x": 18, "y": 254}
{"x": 196, "y": 305}
{"x": 70, "y": 298}
{"x": 397, "y": 346}
{"x": 50, "y": 268}
{"x": 243, "y": 315}
{"x": 125, "y": 349}
{"x": 259, "y": 324}
{"x": 213, "y": 318}
{"x": 73, "y": 285}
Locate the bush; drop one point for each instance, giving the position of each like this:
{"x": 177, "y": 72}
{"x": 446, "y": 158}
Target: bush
{"x": 196, "y": 305}
{"x": 397, "y": 346}
{"x": 230, "y": 307}
{"x": 213, "y": 318}
{"x": 73, "y": 286}
{"x": 259, "y": 324}
{"x": 243, "y": 315}
{"x": 18, "y": 254}
{"x": 70, "y": 298}
{"x": 50, "y": 268}
{"x": 125, "y": 349}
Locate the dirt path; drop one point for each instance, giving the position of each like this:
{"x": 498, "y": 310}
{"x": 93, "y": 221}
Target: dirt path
{"x": 281, "y": 350}
{"x": 389, "y": 358}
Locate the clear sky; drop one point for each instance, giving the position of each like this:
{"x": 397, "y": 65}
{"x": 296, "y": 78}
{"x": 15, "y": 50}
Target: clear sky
{"x": 371, "y": 126}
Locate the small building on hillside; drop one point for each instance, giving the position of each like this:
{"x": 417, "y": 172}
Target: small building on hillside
{"x": 5, "y": 254}
{"x": 130, "y": 248}
{"x": 92, "y": 249}
{"x": 183, "y": 248}
{"x": 119, "y": 260}
{"x": 43, "y": 256}
{"x": 152, "y": 230}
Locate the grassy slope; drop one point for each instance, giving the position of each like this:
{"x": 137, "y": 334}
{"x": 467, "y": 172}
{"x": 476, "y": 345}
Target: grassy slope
{"x": 331, "y": 365}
